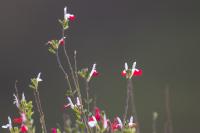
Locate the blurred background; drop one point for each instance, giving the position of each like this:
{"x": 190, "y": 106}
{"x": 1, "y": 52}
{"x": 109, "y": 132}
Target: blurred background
{"x": 162, "y": 36}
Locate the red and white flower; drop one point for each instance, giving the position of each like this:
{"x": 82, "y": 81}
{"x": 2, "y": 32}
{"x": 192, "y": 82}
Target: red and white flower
{"x": 117, "y": 124}
{"x": 92, "y": 122}
{"x": 62, "y": 41}
{"x": 68, "y": 16}
{"x": 129, "y": 73}
{"x": 93, "y": 73}
{"x": 131, "y": 124}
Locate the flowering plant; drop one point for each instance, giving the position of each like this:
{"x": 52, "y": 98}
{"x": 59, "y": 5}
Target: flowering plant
{"x": 85, "y": 117}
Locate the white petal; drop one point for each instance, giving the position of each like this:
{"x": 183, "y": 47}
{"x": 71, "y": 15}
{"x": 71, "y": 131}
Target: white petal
{"x": 126, "y": 66}
{"x": 134, "y": 65}
{"x": 120, "y": 122}
{"x": 78, "y": 102}
{"x": 131, "y": 119}
{"x": 38, "y": 77}
{"x": 91, "y": 73}
{"x": 16, "y": 101}
{"x": 105, "y": 123}
{"x": 70, "y": 102}
{"x": 23, "y": 97}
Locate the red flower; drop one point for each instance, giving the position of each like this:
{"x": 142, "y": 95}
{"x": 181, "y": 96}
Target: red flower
{"x": 97, "y": 114}
{"x": 54, "y": 130}
{"x": 24, "y": 129}
{"x": 17, "y": 120}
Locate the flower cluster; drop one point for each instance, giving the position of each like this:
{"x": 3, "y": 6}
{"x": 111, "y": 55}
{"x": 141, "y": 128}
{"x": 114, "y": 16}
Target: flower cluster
{"x": 99, "y": 121}
{"x": 24, "y": 123}
{"x": 90, "y": 120}
{"x": 129, "y": 73}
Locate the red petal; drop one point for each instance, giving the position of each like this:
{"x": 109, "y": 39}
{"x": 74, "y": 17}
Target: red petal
{"x": 71, "y": 17}
{"x": 17, "y": 120}
{"x": 137, "y": 73}
{"x": 97, "y": 114}
{"x": 91, "y": 119}
{"x": 61, "y": 42}
{"x": 95, "y": 73}
{"x": 123, "y": 73}
{"x": 54, "y": 130}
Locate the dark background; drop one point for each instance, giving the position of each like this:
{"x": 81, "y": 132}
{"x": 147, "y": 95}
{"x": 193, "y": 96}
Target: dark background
{"x": 162, "y": 36}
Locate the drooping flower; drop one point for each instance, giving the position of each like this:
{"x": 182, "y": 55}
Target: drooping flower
{"x": 92, "y": 122}
{"x": 9, "y": 125}
{"x": 117, "y": 124}
{"x": 23, "y": 128}
{"x": 93, "y": 72}
{"x": 97, "y": 114}
{"x": 131, "y": 123}
{"x": 129, "y": 73}
{"x": 68, "y": 16}
{"x": 38, "y": 79}
{"x": 53, "y": 130}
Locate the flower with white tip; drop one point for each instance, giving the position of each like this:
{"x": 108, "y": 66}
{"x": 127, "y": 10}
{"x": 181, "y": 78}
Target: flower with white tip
{"x": 38, "y": 79}
{"x": 117, "y": 124}
{"x": 68, "y": 16}
{"x": 131, "y": 124}
{"x": 92, "y": 73}
{"x": 62, "y": 41}
{"x": 16, "y": 101}
{"x": 129, "y": 73}
{"x": 9, "y": 125}
{"x": 92, "y": 122}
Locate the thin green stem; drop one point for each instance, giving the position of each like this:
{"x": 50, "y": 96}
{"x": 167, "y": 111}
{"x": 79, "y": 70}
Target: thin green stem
{"x": 127, "y": 102}
{"x": 87, "y": 95}
{"x": 63, "y": 70}
{"x": 133, "y": 105}
{"x": 68, "y": 60}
